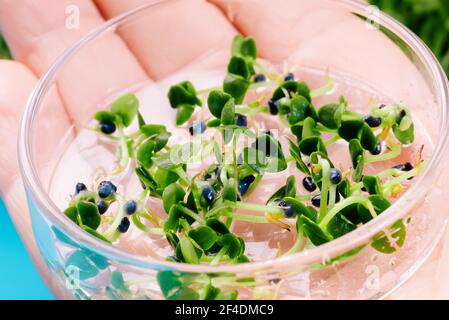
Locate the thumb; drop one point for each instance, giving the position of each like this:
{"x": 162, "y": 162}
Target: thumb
{"x": 16, "y": 84}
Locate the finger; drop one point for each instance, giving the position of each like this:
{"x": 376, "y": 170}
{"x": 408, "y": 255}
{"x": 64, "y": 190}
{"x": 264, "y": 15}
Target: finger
{"x": 171, "y": 35}
{"x": 279, "y": 27}
{"x": 39, "y": 31}
{"x": 316, "y": 34}
{"x": 16, "y": 82}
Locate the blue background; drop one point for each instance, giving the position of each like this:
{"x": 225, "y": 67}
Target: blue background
{"x": 18, "y": 276}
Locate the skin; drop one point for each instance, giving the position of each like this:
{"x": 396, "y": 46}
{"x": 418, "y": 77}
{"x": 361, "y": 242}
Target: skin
{"x": 36, "y": 36}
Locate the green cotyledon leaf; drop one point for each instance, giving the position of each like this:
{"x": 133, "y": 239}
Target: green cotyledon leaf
{"x": 172, "y": 195}
{"x": 254, "y": 158}
{"x": 271, "y": 148}
{"x": 299, "y": 109}
{"x": 259, "y": 162}
{"x": 216, "y": 101}
{"x": 372, "y": 184}
{"x": 157, "y": 133}
{"x": 188, "y": 250}
{"x": 145, "y": 154}
{"x": 146, "y": 179}
{"x": 204, "y": 236}
{"x": 214, "y": 123}
{"x": 172, "y": 222}
{"x": 312, "y": 144}
{"x": 125, "y": 108}
{"x": 228, "y": 114}
{"x": 90, "y": 216}
{"x": 344, "y": 188}
{"x": 350, "y": 129}
{"x": 330, "y": 115}
{"x": 236, "y": 86}
{"x": 306, "y": 105}
{"x": 179, "y": 251}
{"x": 192, "y": 198}
{"x": 244, "y": 47}
{"x": 367, "y": 138}
{"x": 296, "y": 154}
{"x": 161, "y": 141}
{"x": 297, "y": 131}
{"x": 230, "y": 191}
{"x": 232, "y": 244}
{"x": 164, "y": 177}
{"x": 309, "y": 128}
{"x": 152, "y": 130}
{"x": 379, "y": 203}
{"x": 183, "y": 114}
{"x": 406, "y": 136}
{"x": 172, "y": 239}
{"x": 358, "y": 159}
{"x": 284, "y": 105}
{"x": 276, "y": 164}
{"x": 217, "y": 226}
{"x": 312, "y": 231}
{"x": 183, "y": 93}
{"x": 5, "y": 53}
{"x": 168, "y": 160}
{"x": 210, "y": 292}
{"x": 339, "y": 226}
{"x": 239, "y": 66}
{"x": 104, "y": 116}
{"x": 72, "y": 214}
{"x": 140, "y": 120}
{"x": 351, "y": 213}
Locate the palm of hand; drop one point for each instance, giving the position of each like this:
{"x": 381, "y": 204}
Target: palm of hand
{"x": 37, "y": 35}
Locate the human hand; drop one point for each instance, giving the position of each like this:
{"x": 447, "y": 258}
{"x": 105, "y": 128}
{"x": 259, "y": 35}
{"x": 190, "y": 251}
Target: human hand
{"x": 36, "y": 34}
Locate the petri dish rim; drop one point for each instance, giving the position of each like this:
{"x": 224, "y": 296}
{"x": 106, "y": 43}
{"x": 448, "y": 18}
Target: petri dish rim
{"x": 401, "y": 207}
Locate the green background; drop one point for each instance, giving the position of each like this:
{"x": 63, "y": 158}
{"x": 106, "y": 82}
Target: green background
{"x": 427, "y": 18}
